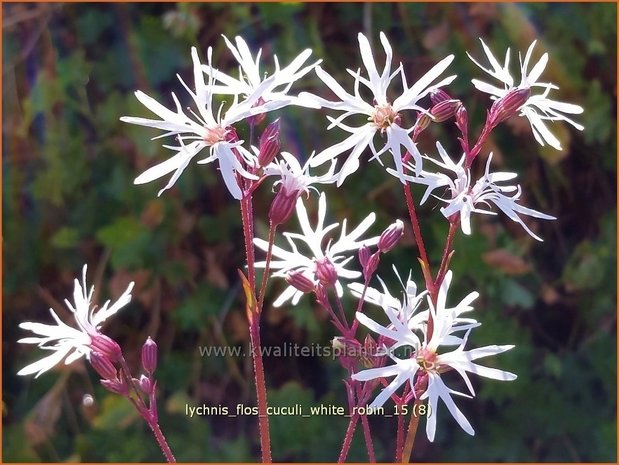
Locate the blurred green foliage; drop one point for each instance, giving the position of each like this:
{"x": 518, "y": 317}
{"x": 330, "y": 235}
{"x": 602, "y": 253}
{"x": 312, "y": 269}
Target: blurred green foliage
{"x": 69, "y": 71}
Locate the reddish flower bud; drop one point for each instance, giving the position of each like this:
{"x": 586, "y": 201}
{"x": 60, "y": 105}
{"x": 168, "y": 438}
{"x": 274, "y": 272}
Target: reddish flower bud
{"x": 119, "y": 387}
{"x": 325, "y": 272}
{"x": 423, "y": 121}
{"x": 507, "y": 106}
{"x": 269, "y": 144}
{"x": 301, "y": 282}
{"x": 282, "y": 206}
{"x": 444, "y": 110}
{"x": 105, "y": 346}
{"x": 258, "y": 118}
{"x": 103, "y": 366}
{"x": 145, "y": 384}
{"x": 322, "y": 295}
{"x": 370, "y": 267}
{"x": 390, "y": 236}
{"x": 364, "y": 255}
{"x": 149, "y": 356}
{"x": 462, "y": 119}
{"x": 438, "y": 95}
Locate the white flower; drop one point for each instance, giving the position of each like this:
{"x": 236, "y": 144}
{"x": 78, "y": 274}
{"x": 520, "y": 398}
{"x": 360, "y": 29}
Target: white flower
{"x": 207, "y": 128}
{"x": 383, "y": 114}
{"x": 296, "y": 178}
{"x": 338, "y": 252}
{"x": 274, "y": 96}
{"x": 428, "y": 363}
{"x": 464, "y": 199}
{"x": 66, "y": 341}
{"x": 538, "y": 108}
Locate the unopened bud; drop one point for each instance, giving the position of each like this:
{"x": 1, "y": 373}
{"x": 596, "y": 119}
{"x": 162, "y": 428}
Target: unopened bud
{"x": 390, "y": 236}
{"x": 103, "y": 366}
{"x": 444, "y": 110}
{"x": 149, "y": 355}
{"x": 269, "y": 144}
{"x": 145, "y": 384}
{"x": 117, "y": 387}
{"x": 364, "y": 255}
{"x": 300, "y": 282}
{"x": 438, "y": 95}
{"x": 325, "y": 272}
{"x": 258, "y": 118}
{"x": 462, "y": 118}
{"x": 106, "y": 346}
{"x": 282, "y": 206}
{"x": 423, "y": 121}
{"x": 322, "y": 296}
{"x": 507, "y": 106}
{"x": 370, "y": 266}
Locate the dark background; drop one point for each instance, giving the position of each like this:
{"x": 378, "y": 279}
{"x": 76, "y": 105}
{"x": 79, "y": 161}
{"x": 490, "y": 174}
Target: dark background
{"x": 69, "y": 72}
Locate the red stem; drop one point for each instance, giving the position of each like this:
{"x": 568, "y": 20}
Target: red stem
{"x": 254, "y": 332}
{"x": 352, "y": 424}
{"x": 368, "y": 438}
{"x": 261, "y": 391}
{"x": 265, "y": 276}
{"x": 399, "y": 442}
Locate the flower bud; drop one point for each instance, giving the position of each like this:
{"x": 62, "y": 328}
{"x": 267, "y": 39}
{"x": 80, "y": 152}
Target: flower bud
{"x": 438, "y": 95}
{"x": 364, "y": 255}
{"x": 149, "y": 356}
{"x": 462, "y": 119}
{"x": 301, "y": 282}
{"x": 423, "y": 121}
{"x": 371, "y": 265}
{"x": 322, "y": 296}
{"x": 145, "y": 384}
{"x": 103, "y": 366}
{"x": 325, "y": 272}
{"x": 258, "y": 118}
{"x": 508, "y": 105}
{"x": 106, "y": 346}
{"x": 119, "y": 387}
{"x": 269, "y": 143}
{"x": 282, "y": 206}
{"x": 390, "y": 236}
{"x": 444, "y": 110}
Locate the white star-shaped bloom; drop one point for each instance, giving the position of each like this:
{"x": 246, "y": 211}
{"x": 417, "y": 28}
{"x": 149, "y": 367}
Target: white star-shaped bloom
{"x": 206, "y": 128}
{"x": 294, "y": 177}
{"x": 538, "y": 108}
{"x": 273, "y": 97}
{"x": 425, "y": 360}
{"x": 68, "y": 342}
{"x": 383, "y": 114}
{"x": 464, "y": 199}
{"x": 339, "y": 252}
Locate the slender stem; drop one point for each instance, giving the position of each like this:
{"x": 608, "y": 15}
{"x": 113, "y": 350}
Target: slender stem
{"x": 254, "y": 332}
{"x": 440, "y": 275}
{"x": 261, "y": 392}
{"x": 368, "y": 438}
{"x": 340, "y": 309}
{"x": 410, "y": 435}
{"x": 163, "y": 444}
{"x": 350, "y": 431}
{"x": 265, "y": 276}
{"x": 399, "y": 441}
{"x": 148, "y": 414}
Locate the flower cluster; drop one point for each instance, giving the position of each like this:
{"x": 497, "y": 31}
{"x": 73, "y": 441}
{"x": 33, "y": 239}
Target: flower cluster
{"x": 409, "y": 326}
{"x": 378, "y": 117}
